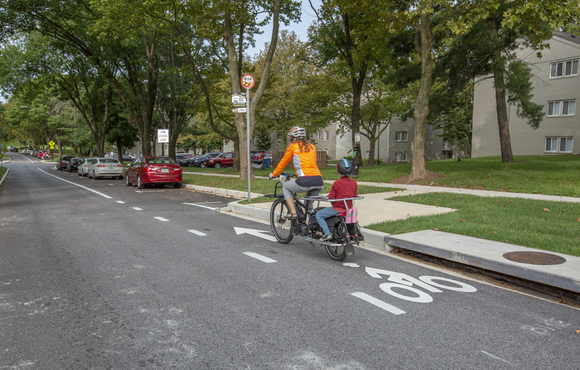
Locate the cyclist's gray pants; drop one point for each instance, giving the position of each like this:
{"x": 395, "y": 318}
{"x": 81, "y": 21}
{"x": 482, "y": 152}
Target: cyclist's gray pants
{"x": 290, "y": 187}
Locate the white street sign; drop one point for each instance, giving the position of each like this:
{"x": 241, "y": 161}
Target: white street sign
{"x": 162, "y": 136}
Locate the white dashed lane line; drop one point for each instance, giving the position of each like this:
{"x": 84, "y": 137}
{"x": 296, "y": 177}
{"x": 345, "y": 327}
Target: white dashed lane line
{"x": 197, "y": 232}
{"x": 161, "y": 219}
{"x": 137, "y": 209}
{"x": 120, "y": 202}
{"x": 259, "y": 257}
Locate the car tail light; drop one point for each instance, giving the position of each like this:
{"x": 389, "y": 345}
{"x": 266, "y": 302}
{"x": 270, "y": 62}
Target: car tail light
{"x": 100, "y": 165}
{"x": 118, "y": 165}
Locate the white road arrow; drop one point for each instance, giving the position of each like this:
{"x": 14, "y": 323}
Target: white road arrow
{"x": 258, "y": 233}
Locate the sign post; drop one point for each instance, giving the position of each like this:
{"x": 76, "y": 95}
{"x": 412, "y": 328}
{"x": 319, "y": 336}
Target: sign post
{"x": 248, "y": 83}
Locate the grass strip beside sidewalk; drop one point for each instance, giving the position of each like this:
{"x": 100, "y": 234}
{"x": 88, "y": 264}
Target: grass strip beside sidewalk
{"x": 261, "y": 186}
{"x": 550, "y": 226}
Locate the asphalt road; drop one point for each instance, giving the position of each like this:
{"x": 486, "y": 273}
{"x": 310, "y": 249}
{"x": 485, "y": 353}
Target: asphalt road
{"x": 98, "y": 275}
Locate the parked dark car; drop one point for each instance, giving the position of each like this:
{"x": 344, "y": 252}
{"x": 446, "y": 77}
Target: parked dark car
{"x": 222, "y": 160}
{"x": 74, "y": 163}
{"x": 62, "y": 163}
{"x": 208, "y": 156}
{"x": 154, "y": 170}
{"x": 184, "y": 159}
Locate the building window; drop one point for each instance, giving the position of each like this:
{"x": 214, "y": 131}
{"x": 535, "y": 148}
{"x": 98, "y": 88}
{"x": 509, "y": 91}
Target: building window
{"x": 401, "y": 136}
{"x": 323, "y": 135}
{"x": 561, "y": 108}
{"x": 401, "y": 157}
{"x": 326, "y": 135}
{"x": 564, "y": 147}
{"x": 564, "y": 69}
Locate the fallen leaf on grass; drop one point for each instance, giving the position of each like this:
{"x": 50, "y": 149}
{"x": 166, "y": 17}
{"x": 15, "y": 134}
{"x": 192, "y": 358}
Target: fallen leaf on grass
{"x": 564, "y": 210}
{"x": 436, "y": 229}
{"x": 461, "y": 220}
{"x": 546, "y": 209}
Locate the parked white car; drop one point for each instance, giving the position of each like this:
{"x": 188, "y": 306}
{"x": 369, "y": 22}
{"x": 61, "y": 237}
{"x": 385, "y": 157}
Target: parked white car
{"x": 106, "y": 167}
{"x": 84, "y": 168}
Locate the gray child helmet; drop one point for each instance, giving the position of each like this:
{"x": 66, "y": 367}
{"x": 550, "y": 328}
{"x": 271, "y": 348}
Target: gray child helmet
{"x": 344, "y": 167}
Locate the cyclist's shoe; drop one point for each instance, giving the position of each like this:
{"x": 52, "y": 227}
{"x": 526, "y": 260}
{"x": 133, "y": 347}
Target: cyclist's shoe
{"x": 292, "y": 216}
{"x": 326, "y": 238}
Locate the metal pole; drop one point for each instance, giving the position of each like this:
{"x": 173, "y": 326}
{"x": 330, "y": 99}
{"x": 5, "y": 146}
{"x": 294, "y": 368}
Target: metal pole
{"x": 248, "y": 140}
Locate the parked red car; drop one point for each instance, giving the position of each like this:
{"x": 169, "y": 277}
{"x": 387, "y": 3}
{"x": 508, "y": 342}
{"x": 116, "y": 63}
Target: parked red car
{"x": 154, "y": 170}
{"x": 258, "y": 157}
{"x": 222, "y": 160}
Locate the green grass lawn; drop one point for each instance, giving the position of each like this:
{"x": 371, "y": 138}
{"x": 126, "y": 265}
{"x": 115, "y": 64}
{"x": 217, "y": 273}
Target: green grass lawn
{"x": 2, "y": 171}
{"x": 552, "y": 226}
{"x": 260, "y": 186}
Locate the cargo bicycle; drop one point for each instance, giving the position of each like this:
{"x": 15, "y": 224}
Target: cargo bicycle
{"x": 344, "y": 227}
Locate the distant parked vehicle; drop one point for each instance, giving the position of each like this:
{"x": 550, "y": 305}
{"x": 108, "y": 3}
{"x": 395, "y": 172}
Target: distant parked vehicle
{"x": 83, "y": 169}
{"x": 257, "y": 157}
{"x": 62, "y": 163}
{"x": 208, "y": 156}
{"x": 74, "y": 163}
{"x": 106, "y": 167}
{"x": 222, "y": 160}
{"x": 126, "y": 158}
{"x": 154, "y": 170}
{"x": 183, "y": 159}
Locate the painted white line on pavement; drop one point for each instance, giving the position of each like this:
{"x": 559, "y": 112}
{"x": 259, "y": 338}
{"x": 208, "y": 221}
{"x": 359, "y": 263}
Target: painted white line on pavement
{"x": 161, "y": 219}
{"x": 495, "y": 357}
{"x": 137, "y": 209}
{"x": 202, "y": 206}
{"x": 380, "y": 304}
{"x": 197, "y": 232}
{"x": 80, "y": 186}
{"x": 260, "y": 257}
{"x": 120, "y": 202}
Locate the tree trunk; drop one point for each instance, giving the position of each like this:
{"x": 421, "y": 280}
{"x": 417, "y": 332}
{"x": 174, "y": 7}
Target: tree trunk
{"x": 373, "y": 144}
{"x": 502, "y": 116}
{"x": 119, "y": 150}
{"x": 419, "y": 168}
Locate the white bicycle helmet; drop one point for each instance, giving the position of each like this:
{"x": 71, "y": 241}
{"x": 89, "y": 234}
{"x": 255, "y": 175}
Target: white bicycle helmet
{"x": 297, "y": 132}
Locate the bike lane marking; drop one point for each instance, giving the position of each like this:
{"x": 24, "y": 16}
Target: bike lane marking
{"x": 260, "y": 257}
{"x": 377, "y": 302}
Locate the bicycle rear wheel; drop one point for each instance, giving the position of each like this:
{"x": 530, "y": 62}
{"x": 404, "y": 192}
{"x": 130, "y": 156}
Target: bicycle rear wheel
{"x": 338, "y": 251}
{"x": 280, "y": 226}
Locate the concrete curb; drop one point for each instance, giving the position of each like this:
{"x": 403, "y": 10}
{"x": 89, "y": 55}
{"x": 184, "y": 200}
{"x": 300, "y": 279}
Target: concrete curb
{"x": 222, "y": 192}
{"x": 4, "y": 177}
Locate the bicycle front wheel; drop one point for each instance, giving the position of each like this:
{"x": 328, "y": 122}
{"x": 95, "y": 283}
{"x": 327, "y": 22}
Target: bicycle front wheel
{"x": 280, "y": 226}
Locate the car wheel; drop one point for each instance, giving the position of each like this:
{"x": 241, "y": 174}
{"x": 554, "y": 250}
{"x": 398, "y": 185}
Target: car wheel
{"x": 217, "y": 165}
{"x": 127, "y": 180}
{"x": 202, "y": 165}
{"x": 177, "y": 185}
{"x": 121, "y": 177}
{"x": 140, "y": 185}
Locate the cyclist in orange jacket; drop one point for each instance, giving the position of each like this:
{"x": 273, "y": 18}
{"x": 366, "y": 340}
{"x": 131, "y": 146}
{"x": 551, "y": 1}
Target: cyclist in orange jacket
{"x": 303, "y": 156}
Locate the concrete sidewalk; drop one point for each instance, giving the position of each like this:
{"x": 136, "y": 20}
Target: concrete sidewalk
{"x": 553, "y": 269}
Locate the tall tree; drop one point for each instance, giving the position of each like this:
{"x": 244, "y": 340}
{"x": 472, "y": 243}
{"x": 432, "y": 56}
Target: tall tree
{"x": 350, "y": 31}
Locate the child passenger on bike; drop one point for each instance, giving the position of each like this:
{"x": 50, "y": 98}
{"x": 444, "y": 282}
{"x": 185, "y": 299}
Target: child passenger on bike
{"x": 303, "y": 156}
{"x": 345, "y": 187}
